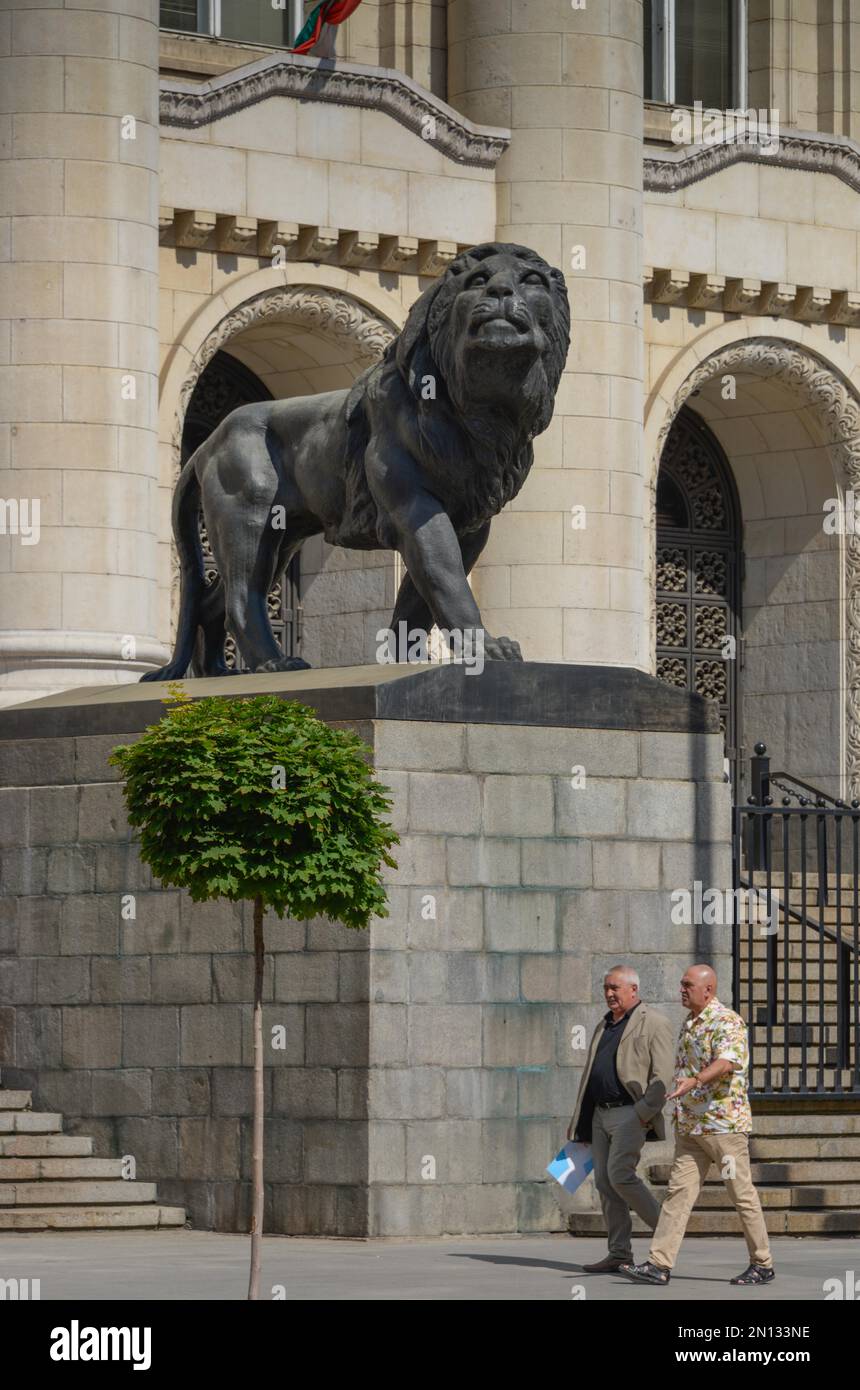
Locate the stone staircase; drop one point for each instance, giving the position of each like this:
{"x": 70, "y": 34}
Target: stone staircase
{"x": 805, "y": 1148}
{"x": 50, "y": 1181}
{"x": 806, "y": 1169}
{"x": 803, "y": 1034}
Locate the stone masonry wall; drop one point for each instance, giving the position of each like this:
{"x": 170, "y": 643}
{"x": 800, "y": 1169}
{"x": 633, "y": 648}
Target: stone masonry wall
{"x": 428, "y": 1074}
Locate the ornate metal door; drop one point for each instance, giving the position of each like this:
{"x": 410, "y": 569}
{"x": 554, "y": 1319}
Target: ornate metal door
{"x": 224, "y": 385}
{"x": 699, "y": 573}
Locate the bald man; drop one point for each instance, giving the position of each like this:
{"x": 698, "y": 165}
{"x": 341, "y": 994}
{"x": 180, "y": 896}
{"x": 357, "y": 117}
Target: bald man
{"x": 713, "y": 1121}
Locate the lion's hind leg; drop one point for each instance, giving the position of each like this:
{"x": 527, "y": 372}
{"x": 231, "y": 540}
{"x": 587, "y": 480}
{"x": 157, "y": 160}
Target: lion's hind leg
{"x": 208, "y": 659}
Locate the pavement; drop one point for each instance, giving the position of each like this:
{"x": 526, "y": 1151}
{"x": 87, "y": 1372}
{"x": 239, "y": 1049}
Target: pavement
{"x": 179, "y": 1265}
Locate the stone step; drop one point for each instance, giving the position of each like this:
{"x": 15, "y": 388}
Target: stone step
{"x": 779, "y": 1222}
{"x": 15, "y": 1100}
{"x": 795, "y": 973}
{"x": 29, "y": 1122}
{"x": 812, "y": 880}
{"x": 795, "y": 994}
{"x": 797, "y": 1146}
{"x": 820, "y": 1171}
{"x": 34, "y": 1169}
{"x": 86, "y": 1191}
{"x": 796, "y": 950}
{"x": 797, "y": 1032}
{"x": 795, "y": 1012}
{"x": 716, "y": 1198}
{"x": 46, "y": 1146}
{"x": 795, "y": 1080}
{"x": 795, "y": 1054}
{"x": 804, "y": 1122}
{"x": 93, "y": 1217}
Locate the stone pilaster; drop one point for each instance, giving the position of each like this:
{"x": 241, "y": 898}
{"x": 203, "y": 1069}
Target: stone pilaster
{"x": 80, "y": 344}
{"x": 568, "y": 83}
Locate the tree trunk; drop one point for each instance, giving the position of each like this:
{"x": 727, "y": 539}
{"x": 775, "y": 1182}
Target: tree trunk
{"x": 257, "y": 1144}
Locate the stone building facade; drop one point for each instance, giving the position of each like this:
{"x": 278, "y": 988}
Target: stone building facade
{"x": 174, "y": 196}
{"x": 192, "y": 217}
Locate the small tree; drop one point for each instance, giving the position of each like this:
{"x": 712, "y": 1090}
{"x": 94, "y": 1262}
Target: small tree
{"x": 258, "y": 799}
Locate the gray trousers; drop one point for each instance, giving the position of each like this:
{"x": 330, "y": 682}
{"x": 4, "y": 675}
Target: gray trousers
{"x": 617, "y": 1137}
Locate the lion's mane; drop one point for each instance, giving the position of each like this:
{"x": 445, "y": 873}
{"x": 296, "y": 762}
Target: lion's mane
{"x": 475, "y": 457}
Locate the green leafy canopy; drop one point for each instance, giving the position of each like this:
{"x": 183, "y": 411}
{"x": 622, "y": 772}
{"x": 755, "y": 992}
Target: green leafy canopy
{"x": 259, "y": 798}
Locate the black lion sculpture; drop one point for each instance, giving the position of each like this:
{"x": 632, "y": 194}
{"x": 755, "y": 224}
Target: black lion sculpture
{"x": 419, "y": 455}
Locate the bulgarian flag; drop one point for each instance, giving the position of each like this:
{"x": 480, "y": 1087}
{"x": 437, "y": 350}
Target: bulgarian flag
{"x": 329, "y": 12}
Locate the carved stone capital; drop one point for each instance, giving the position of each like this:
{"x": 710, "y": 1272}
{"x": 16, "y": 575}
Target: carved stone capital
{"x": 235, "y": 234}
{"x": 357, "y": 248}
{"x": 741, "y": 294}
{"x": 193, "y": 229}
{"x": 670, "y": 286}
{"x": 813, "y": 303}
{"x": 777, "y": 298}
{"x": 394, "y": 251}
{"x": 435, "y": 256}
{"x": 845, "y": 308}
{"x": 276, "y": 234}
{"x": 705, "y": 290}
{"x": 314, "y": 244}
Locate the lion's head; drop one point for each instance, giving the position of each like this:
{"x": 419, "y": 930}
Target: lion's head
{"x": 497, "y": 326}
{"x": 472, "y": 377}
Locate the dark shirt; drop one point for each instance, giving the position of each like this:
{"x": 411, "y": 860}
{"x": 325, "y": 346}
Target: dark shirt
{"x": 603, "y": 1083}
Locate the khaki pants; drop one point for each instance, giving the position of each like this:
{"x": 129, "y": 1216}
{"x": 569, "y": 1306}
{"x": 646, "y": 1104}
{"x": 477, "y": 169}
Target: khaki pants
{"x": 617, "y": 1137}
{"x": 694, "y": 1154}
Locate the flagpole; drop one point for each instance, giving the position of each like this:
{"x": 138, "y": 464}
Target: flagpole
{"x": 297, "y": 17}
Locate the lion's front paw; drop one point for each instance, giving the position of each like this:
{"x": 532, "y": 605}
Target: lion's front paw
{"x": 284, "y": 663}
{"x": 502, "y": 649}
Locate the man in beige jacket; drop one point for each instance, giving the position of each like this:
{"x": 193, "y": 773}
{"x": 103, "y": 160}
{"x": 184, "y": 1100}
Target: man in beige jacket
{"x": 619, "y": 1106}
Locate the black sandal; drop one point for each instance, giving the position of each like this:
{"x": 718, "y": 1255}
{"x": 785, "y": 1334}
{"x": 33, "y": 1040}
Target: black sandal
{"x": 645, "y": 1273}
{"x": 755, "y": 1274}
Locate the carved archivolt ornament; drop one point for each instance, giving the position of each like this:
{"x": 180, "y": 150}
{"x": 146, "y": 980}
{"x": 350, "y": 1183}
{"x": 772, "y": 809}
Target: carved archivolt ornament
{"x": 816, "y": 386}
{"x": 818, "y": 154}
{"x": 347, "y": 84}
{"x": 330, "y": 312}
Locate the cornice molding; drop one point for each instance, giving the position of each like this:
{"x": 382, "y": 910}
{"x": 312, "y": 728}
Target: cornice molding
{"x": 191, "y": 105}
{"x": 667, "y": 171}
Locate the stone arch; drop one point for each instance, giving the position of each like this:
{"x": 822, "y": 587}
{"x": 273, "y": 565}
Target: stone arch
{"x": 337, "y": 304}
{"x": 327, "y": 301}
{"x": 827, "y": 391}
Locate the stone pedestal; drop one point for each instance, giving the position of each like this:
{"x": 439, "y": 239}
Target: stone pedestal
{"x": 546, "y": 814}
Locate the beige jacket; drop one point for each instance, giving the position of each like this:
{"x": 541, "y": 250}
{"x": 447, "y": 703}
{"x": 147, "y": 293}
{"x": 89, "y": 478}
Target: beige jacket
{"x": 646, "y": 1067}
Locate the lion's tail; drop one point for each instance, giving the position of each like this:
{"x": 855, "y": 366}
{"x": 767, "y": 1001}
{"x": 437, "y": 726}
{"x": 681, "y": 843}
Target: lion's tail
{"x": 186, "y": 533}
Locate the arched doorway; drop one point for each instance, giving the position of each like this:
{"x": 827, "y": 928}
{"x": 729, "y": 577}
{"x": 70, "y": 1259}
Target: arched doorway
{"x": 223, "y": 386}
{"x": 296, "y": 339}
{"x": 698, "y": 573}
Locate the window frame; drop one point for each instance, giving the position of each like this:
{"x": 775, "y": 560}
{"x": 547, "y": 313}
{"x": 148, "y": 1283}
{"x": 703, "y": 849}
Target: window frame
{"x": 662, "y": 41}
{"x": 209, "y": 18}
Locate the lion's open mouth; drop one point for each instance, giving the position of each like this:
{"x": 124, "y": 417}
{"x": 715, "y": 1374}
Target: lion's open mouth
{"x": 500, "y": 326}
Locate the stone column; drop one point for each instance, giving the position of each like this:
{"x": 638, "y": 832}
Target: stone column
{"x": 568, "y": 83}
{"x": 78, "y": 401}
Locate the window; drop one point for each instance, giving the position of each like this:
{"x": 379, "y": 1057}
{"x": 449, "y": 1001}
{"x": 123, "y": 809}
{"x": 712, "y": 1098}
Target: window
{"x": 249, "y": 21}
{"x": 695, "y": 50}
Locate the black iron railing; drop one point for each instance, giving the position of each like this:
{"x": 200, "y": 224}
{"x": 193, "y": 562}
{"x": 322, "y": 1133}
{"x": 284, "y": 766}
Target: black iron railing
{"x": 797, "y": 935}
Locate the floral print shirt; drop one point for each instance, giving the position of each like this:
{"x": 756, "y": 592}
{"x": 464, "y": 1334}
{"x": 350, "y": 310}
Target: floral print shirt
{"x": 722, "y": 1106}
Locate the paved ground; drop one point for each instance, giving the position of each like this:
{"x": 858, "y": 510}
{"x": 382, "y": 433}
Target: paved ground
{"x": 203, "y": 1265}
